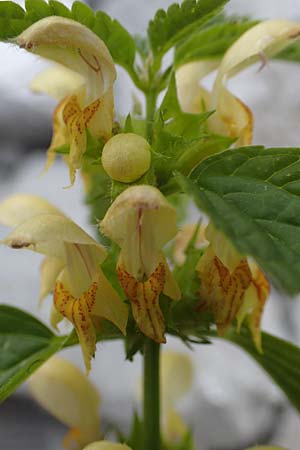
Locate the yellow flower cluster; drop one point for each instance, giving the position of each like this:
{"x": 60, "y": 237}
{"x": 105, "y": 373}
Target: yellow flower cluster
{"x": 140, "y": 221}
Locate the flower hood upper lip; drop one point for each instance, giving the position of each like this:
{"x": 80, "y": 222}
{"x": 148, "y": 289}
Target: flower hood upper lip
{"x": 75, "y": 46}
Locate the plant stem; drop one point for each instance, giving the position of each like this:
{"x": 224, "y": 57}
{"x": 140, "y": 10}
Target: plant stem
{"x": 151, "y": 396}
{"x": 151, "y": 434}
{"x": 150, "y": 112}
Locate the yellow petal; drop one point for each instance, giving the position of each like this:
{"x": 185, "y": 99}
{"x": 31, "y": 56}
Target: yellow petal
{"x": 47, "y": 233}
{"x": 74, "y": 46}
{"x": 78, "y": 311}
{"x": 144, "y": 299}
{"x": 222, "y": 247}
{"x": 82, "y": 265}
{"x": 176, "y": 377}
{"x": 109, "y": 305}
{"x": 55, "y": 317}
{"x": 141, "y": 222}
{"x": 59, "y": 136}
{"x": 262, "y": 288}
{"x": 266, "y": 447}
{"x": 49, "y": 270}
{"x": 171, "y": 288}
{"x": 175, "y": 428}
{"x": 265, "y": 39}
{"x": 176, "y": 381}
{"x": 192, "y": 96}
{"x": 18, "y": 208}
{"x": 106, "y": 445}
{"x": 253, "y": 304}
{"x": 58, "y": 82}
{"x": 248, "y": 305}
{"x": 101, "y": 120}
{"x": 60, "y": 388}
{"x": 82, "y": 268}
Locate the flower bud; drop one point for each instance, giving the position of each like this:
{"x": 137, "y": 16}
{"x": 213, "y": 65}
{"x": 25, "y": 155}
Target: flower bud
{"x": 126, "y": 157}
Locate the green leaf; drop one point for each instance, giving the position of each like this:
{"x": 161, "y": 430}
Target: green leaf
{"x": 291, "y": 53}
{"x": 186, "y": 275}
{"x": 211, "y": 42}
{"x": 59, "y": 9}
{"x": 12, "y": 20}
{"x": 177, "y": 122}
{"x": 37, "y": 9}
{"x": 182, "y": 154}
{"x": 135, "y": 436}
{"x": 170, "y": 27}
{"x": 128, "y": 128}
{"x": 98, "y": 195}
{"x": 83, "y": 14}
{"x": 134, "y": 342}
{"x": 252, "y": 195}
{"x": 280, "y": 359}
{"x": 25, "y": 345}
{"x": 119, "y": 42}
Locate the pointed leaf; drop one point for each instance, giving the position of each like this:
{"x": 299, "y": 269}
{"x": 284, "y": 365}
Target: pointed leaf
{"x": 12, "y": 19}
{"x": 179, "y": 21}
{"x": 83, "y": 14}
{"x": 59, "y": 9}
{"x": 37, "y": 9}
{"x": 119, "y": 42}
{"x": 25, "y": 344}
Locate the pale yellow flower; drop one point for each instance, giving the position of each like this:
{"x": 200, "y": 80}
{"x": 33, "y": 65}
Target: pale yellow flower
{"x": 62, "y": 389}
{"x": 106, "y": 445}
{"x": 72, "y": 267}
{"x": 232, "y": 117}
{"x": 83, "y": 82}
{"x": 265, "y": 447}
{"x": 231, "y": 286}
{"x": 176, "y": 381}
{"x": 141, "y": 222}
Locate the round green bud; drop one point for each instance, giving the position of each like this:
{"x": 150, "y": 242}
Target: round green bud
{"x": 126, "y": 157}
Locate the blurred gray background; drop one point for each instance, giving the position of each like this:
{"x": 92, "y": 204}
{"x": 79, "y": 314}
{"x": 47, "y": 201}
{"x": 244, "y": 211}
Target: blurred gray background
{"x": 232, "y": 403}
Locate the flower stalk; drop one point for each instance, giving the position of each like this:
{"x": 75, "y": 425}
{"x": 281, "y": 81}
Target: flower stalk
{"x": 151, "y": 388}
{"x": 151, "y": 396}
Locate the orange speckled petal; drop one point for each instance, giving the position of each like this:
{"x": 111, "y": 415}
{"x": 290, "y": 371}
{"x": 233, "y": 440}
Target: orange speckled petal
{"x": 144, "y": 298}
{"x": 85, "y": 331}
{"x": 222, "y": 292}
{"x": 74, "y": 120}
{"x": 90, "y": 110}
{"x": 78, "y": 311}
